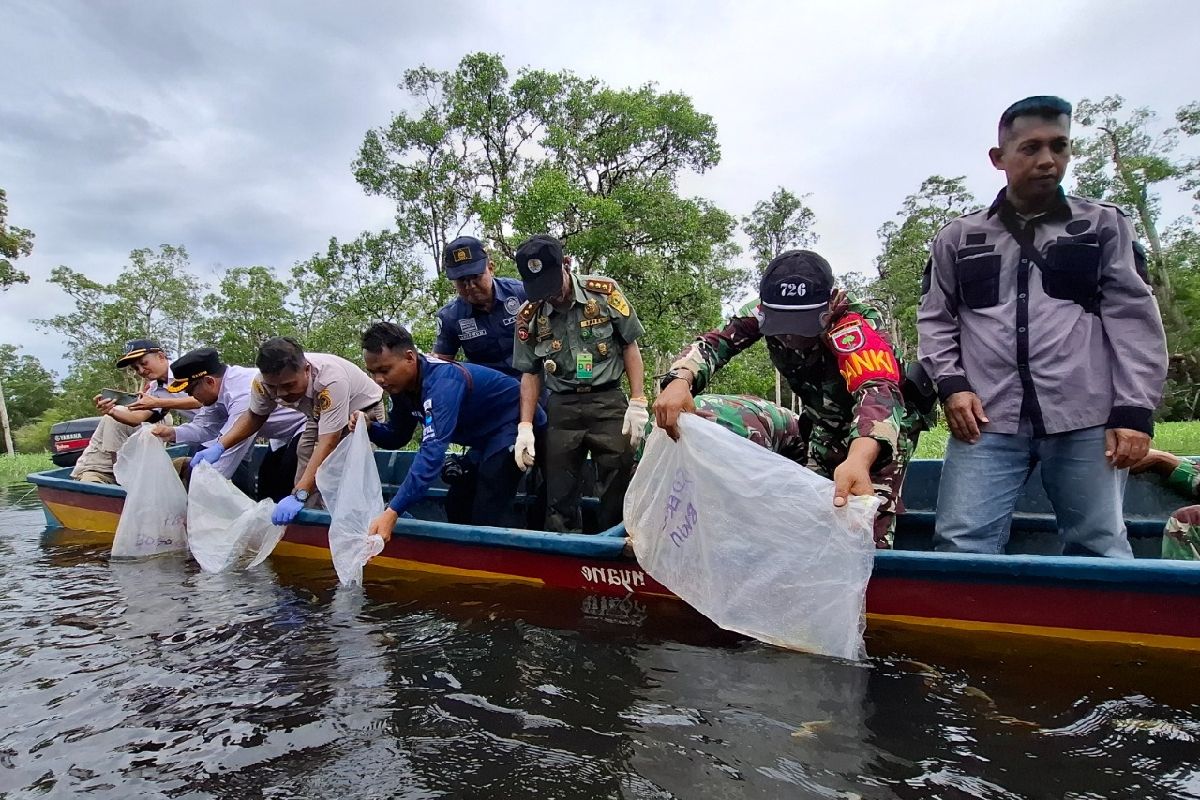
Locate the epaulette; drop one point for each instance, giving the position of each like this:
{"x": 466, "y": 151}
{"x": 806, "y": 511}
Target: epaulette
{"x": 600, "y": 285}
{"x": 528, "y": 310}
{"x": 1114, "y": 206}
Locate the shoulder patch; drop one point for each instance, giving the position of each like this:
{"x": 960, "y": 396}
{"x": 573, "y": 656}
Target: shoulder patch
{"x": 323, "y": 401}
{"x": 601, "y": 285}
{"x": 257, "y": 387}
{"x": 862, "y": 354}
{"x": 617, "y": 302}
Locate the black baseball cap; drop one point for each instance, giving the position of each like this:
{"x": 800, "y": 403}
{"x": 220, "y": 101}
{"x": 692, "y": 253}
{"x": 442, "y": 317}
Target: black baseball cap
{"x": 193, "y": 365}
{"x": 136, "y": 348}
{"x": 464, "y": 257}
{"x": 539, "y": 260}
{"x": 794, "y": 294}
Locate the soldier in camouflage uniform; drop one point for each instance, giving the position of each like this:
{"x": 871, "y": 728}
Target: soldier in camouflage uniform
{"x": 832, "y": 351}
{"x": 1181, "y": 539}
{"x": 778, "y": 429}
{"x": 577, "y": 334}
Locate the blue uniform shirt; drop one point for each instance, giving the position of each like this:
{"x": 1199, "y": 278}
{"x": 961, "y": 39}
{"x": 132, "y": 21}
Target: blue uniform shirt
{"x": 463, "y": 404}
{"x": 486, "y": 337}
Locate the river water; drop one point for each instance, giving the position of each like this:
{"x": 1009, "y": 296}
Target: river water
{"x": 151, "y": 679}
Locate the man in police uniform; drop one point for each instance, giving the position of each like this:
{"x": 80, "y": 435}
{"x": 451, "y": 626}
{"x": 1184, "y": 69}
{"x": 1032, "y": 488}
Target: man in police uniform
{"x": 482, "y": 319}
{"x": 580, "y": 333}
{"x": 323, "y": 387}
{"x": 1039, "y": 327}
{"x": 224, "y": 392}
{"x": 149, "y": 361}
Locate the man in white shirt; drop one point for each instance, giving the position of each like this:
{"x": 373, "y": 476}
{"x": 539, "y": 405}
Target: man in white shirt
{"x": 223, "y": 391}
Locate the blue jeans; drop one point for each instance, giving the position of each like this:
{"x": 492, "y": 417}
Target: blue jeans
{"x": 981, "y": 482}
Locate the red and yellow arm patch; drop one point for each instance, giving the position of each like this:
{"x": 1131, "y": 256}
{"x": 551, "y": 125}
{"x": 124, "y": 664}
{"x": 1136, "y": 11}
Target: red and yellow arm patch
{"x": 863, "y": 355}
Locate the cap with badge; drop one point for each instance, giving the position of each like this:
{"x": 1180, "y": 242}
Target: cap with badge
{"x": 136, "y": 348}
{"x": 539, "y": 260}
{"x": 794, "y": 294}
{"x": 192, "y": 366}
{"x": 464, "y": 258}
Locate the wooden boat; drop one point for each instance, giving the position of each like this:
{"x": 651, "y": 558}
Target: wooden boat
{"x": 1147, "y": 601}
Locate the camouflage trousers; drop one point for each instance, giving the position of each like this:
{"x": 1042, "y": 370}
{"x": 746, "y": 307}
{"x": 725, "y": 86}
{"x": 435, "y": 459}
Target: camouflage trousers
{"x": 1181, "y": 539}
{"x": 828, "y": 449}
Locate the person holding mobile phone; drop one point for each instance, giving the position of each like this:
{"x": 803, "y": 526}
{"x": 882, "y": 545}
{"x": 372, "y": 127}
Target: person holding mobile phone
{"x": 147, "y": 359}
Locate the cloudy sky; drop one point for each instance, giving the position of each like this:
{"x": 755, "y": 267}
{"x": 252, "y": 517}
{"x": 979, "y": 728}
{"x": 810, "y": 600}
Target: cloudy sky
{"x": 229, "y": 127}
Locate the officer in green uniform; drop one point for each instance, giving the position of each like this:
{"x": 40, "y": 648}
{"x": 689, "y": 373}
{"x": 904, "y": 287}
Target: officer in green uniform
{"x": 579, "y": 334}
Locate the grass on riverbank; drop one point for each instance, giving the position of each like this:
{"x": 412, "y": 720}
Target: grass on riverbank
{"x": 14, "y": 468}
{"x": 1182, "y": 438}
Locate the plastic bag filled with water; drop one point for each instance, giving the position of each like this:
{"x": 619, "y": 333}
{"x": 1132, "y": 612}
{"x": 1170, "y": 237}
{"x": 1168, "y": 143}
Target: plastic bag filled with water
{"x": 349, "y": 483}
{"x": 227, "y": 529}
{"x": 752, "y": 540}
{"x": 154, "y": 518}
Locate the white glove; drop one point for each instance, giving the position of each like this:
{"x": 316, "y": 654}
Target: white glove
{"x": 523, "y": 451}
{"x": 636, "y": 417}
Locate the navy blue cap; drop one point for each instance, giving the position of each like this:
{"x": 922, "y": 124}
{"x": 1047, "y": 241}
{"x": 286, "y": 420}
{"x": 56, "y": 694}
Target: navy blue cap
{"x": 539, "y": 260}
{"x": 794, "y": 294}
{"x": 464, "y": 257}
{"x": 136, "y": 348}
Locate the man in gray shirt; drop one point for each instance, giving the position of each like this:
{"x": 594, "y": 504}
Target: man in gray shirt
{"x": 1039, "y": 328}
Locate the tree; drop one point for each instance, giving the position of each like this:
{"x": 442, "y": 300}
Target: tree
{"x": 375, "y": 277}
{"x": 154, "y": 296}
{"x": 901, "y": 263}
{"x": 14, "y": 243}
{"x": 1123, "y": 161}
{"x": 780, "y": 223}
{"x": 28, "y": 386}
{"x": 249, "y": 307}
{"x": 543, "y": 152}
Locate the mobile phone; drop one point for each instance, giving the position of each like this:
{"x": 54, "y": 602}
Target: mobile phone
{"x": 118, "y": 397}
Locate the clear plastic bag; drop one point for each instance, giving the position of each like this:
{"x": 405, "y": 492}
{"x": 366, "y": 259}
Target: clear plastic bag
{"x": 752, "y": 540}
{"x": 225, "y": 527}
{"x": 154, "y": 519}
{"x": 349, "y": 483}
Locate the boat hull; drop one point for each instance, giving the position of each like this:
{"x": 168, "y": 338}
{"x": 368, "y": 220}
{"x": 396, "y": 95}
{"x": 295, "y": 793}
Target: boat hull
{"x": 1146, "y": 602}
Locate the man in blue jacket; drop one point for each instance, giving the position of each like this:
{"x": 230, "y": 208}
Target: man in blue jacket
{"x": 462, "y": 404}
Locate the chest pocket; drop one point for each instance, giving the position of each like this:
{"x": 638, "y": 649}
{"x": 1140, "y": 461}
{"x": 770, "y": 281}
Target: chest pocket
{"x": 1073, "y": 270}
{"x": 545, "y": 351}
{"x": 978, "y": 277}
{"x": 595, "y": 336}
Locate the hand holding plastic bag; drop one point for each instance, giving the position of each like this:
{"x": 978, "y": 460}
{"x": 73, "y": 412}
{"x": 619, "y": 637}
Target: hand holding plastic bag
{"x": 349, "y": 483}
{"x": 225, "y": 525}
{"x": 154, "y": 518}
{"x": 752, "y": 540}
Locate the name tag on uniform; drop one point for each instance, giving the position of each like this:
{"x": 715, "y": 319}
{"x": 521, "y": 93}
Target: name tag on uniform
{"x": 591, "y": 323}
{"x": 469, "y": 329}
{"x": 583, "y": 366}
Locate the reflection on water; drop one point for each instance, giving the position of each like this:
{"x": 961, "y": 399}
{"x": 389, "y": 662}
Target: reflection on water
{"x": 151, "y": 679}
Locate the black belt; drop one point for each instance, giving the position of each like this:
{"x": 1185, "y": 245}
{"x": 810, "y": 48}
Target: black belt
{"x": 376, "y": 404}
{"x": 600, "y": 387}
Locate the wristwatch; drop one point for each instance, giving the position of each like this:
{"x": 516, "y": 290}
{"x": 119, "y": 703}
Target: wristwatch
{"x": 301, "y": 495}
{"x": 676, "y": 373}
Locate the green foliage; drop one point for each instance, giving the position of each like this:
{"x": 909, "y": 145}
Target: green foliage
{"x": 1124, "y": 160}
{"x": 555, "y": 153}
{"x": 34, "y": 437}
{"x": 14, "y": 243}
{"x": 28, "y": 386}
{"x": 906, "y": 251}
{"x": 1181, "y": 438}
{"x": 375, "y": 277}
{"x": 248, "y": 307}
{"x": 15, "y": 468}
{"x": 782, "y": 222}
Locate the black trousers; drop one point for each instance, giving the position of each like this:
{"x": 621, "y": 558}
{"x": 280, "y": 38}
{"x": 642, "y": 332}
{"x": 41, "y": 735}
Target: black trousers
{"x": 583, "y": 424}
{"x": 485, "y": 496}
